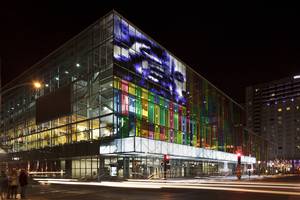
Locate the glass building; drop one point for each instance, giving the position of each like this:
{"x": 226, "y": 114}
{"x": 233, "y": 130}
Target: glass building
{"x": 113, "y": 102}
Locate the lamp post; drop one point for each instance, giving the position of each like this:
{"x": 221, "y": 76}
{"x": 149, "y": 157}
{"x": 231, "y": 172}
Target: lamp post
{"x": 34, "y": 84}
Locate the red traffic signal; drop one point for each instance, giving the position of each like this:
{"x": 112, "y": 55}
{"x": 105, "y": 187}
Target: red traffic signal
{"x": 239, "y": 155}
{"x": 166, "y": 157}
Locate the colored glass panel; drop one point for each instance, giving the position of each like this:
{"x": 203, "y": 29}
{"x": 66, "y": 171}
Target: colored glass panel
{"x": 151, "y": 112}
{"x": 162, "y": 116}
{"x": 138, "y": 108}
{"x": 117, "y": 84}
{"x": 138, "y": 128}
{"x": 151, "y": 131}
{"x": 131, "y": 88}
{"x": 124, "y": 104}
{"x": 144, "y": 94}
{"x": 132, "y": 128}
{"x": 145, "y": 108}
{"x": 132, "y": 105}
{"x": 157, "y": 133}
{"x": 162, "y": 135}
{"x": 117, "y": 103}
{"x": 145, "y": 129}
{"x": 176, "y": 121}
{"x": 157, "y": 114}
{"x": 124, "y": 86}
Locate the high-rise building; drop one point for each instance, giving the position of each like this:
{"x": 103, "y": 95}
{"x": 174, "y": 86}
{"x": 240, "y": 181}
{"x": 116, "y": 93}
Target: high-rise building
{"x": 115, "y": 102}
{"x": 273, "y": 110}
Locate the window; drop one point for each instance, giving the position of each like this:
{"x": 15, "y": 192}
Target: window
{"x": 131, "y": 104}
{"x": 145, "y": 108}
{"x": 124, "y": 104}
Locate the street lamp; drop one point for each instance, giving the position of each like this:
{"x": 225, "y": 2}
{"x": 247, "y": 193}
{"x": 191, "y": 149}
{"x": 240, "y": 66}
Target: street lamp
{"x": 34, "y": 84}
{"x": 37, "y": 84}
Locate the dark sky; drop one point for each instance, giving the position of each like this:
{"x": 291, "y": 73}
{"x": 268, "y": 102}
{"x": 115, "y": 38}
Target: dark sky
{"x": 233, "y": 45}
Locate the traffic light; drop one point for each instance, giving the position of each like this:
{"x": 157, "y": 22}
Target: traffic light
{"x": 166, "y": 162}
{"x": 166, "y": 159}
{"x": 239, "y": 158}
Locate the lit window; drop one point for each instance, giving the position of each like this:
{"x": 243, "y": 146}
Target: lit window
{"x": 279, "y": 109}
{"x": 297, "y": 107}
{"x": 288, "y": 108}
{"x": 273, "y": 94}
{"x": 256, "y": 90}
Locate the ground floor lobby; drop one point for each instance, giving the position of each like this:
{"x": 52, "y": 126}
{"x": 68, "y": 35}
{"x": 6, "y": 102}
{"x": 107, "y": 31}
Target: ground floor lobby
{"x": 125, "y": 166}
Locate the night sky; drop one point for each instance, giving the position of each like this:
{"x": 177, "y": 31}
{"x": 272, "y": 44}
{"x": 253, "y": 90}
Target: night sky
{"x": 233, "y": 45}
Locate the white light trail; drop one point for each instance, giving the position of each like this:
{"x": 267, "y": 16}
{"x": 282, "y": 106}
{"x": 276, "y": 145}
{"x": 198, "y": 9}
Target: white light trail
{"x": 262, "y": 187}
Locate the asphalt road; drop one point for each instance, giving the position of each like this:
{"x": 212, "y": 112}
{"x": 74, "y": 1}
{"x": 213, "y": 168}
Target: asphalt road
{"x": 285, "y": 188}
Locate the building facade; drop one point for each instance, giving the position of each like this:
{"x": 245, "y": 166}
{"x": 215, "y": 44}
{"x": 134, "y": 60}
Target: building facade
{"x": 274, "y": 113}
{"x": 113, "y": 102}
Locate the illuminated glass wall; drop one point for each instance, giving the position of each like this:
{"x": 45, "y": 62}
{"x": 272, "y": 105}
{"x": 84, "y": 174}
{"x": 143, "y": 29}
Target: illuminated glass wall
{"x": 156, "y": 96}
{"x": 84, "y": 63}
{"x": 123, "y": 85}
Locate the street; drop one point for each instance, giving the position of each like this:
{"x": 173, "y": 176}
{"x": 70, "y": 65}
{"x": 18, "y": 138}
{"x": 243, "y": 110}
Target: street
{"x": 275, "y": 189}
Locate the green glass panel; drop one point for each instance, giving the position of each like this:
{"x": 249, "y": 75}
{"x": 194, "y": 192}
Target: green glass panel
{"x": 138, "y": 128}
{"x": 161, "y": 101}
{"x": 124, "y": 127}
{"x": 138, "y": 91}
{"x": 167, "y": 121}
{"x": 151, "y": 97}
{"x": 157, "y": 114}
{"x": 176, "y": 121}
{"x": 138, "y": 108}
{"x": 188, "y": 139}
{"x": 179, "y": 137}
{"x": 162, "y": 116}
{"x": 151, "y": 112}
{"x": 167, "y": 135}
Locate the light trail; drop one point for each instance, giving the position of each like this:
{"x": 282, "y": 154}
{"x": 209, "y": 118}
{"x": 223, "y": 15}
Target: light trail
{"x": 237, "y": 190}
{"x": 247, "y": 186}
{"x": 228, "y": 187}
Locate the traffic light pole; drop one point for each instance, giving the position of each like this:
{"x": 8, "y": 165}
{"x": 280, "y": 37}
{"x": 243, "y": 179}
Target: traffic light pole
{"x": 166, "y": 160}
{"x": 239, "y": 167}
{"x": 165, "y": 170}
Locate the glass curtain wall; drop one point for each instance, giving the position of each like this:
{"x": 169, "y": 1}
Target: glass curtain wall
{"x": 85, "y": 63}
{"x": 156, "y": 96}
